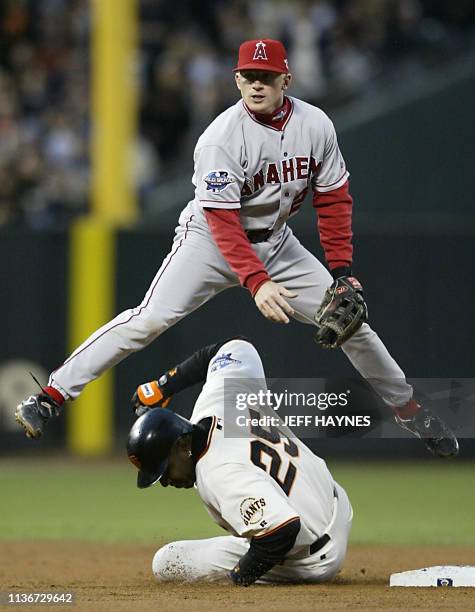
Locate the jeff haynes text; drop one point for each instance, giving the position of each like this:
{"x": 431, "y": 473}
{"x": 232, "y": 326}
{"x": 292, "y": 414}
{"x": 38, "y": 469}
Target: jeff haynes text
{"x": 299, "y": 420}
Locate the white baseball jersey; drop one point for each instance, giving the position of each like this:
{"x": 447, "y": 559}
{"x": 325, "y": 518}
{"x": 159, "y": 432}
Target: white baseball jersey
{"x": 243, "y": 163}
{"x": 251, "y": 486}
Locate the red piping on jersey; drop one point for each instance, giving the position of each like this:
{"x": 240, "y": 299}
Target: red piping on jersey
{"x": 141, "y": 307}
{"x": 290, "y": 520}
{"x": 266, "y": 120}
{"x": 208, "y": 441}
{"x": 230, "y": 237}
{"x": 334, "y": 214}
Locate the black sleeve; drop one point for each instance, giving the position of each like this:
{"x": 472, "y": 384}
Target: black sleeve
{"x": 193, "y": 370}
{"x": 341, "y": 271}
{"x": 265, "y": 552}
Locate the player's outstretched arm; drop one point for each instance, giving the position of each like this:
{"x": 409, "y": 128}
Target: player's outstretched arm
{"x": 158, "y": 393}
{"x": 270, "y": 299}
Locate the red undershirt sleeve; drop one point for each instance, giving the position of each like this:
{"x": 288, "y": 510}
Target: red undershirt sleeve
{"x": 334, "y": 213}
{"x": 230, "y": 237}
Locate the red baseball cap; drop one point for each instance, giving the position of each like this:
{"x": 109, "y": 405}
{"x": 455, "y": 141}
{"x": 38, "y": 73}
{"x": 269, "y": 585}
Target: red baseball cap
{"x": 263, "y": 54}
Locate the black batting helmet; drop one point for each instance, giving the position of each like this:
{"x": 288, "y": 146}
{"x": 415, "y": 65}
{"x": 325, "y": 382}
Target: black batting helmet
{"x": 150, "y": 441}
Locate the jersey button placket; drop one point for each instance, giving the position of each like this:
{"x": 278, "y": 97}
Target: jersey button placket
{"x": 283, "y": 195}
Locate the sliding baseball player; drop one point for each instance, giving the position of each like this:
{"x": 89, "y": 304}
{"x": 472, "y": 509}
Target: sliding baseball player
{"x": 287, "y": 519}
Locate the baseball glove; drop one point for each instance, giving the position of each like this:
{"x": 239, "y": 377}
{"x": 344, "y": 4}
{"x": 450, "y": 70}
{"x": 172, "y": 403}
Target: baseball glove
{"x": 341, "y": 313}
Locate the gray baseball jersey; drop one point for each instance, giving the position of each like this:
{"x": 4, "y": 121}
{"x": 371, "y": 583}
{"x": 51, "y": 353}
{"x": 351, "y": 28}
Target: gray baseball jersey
{"x": 243, "y": 163}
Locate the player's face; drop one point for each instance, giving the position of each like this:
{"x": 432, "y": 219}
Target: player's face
{"x": 180, "y": 472}
{"x": 261, "y": 90}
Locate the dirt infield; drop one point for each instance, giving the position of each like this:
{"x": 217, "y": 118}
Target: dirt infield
{"x": 118, "y": 577}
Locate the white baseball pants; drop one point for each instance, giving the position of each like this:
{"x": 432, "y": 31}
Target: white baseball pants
{"x": 211, "y": 559}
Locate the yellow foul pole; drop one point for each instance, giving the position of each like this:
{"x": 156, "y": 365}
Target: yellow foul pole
{"x": 114, "y": 36}
{"x": 113, "y": 204}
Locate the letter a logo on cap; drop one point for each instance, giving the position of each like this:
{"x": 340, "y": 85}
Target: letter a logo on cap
{"x": 260, "y": 52}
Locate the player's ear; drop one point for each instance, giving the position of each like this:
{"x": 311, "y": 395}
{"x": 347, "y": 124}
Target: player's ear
{"x": 237, "y": 78}
{"x": 287, "y": 81}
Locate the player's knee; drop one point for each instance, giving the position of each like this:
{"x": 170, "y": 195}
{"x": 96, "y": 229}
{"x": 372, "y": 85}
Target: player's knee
{"x": 149, "y": 325}
{"x": 167, "y": 563}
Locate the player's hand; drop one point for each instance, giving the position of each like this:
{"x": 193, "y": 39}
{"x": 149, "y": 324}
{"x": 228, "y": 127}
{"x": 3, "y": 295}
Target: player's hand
{"x": 270, "y": 299}
{"x": 236, "y": 577}
{"x": 147, "y": 396}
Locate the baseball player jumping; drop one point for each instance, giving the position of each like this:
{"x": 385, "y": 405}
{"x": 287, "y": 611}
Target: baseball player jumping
{"x": 253, "y": 167}
{"x": 288, "y": 518}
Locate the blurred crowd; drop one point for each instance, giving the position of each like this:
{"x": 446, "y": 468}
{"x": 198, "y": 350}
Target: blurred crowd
{"x": 43, "y": 111}
{"x": 338, "y": 50}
